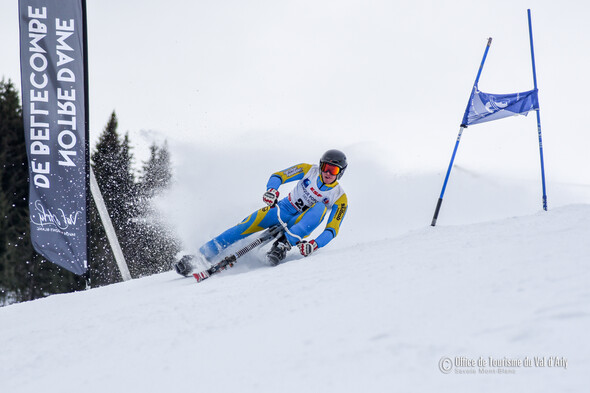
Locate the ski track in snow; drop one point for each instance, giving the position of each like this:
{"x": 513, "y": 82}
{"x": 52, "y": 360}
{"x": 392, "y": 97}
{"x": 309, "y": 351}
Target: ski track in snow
{"x": 374, "y": 316}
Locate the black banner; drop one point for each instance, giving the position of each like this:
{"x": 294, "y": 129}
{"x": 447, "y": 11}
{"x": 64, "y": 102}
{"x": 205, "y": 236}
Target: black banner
{"x": 54, "y": 113}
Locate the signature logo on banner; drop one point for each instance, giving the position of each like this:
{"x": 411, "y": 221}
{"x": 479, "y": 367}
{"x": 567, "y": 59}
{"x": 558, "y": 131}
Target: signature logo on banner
{"x": 43, "y": 217}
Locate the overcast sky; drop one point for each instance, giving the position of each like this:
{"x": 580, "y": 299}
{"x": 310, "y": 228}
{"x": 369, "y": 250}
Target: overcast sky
{"x": 395, "y": 75}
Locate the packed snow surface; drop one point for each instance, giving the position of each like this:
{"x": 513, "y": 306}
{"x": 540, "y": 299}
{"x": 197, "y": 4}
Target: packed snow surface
{"x": 405, "y": 313}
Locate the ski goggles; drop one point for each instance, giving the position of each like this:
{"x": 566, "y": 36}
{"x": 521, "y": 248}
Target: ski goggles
{"x": 330, "y": 168}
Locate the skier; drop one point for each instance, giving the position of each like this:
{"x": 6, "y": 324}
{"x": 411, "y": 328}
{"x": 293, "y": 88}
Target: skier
{"x": 302, "y": 210}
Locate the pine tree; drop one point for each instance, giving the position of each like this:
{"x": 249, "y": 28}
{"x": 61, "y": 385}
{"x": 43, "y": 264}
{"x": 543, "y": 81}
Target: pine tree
{"x": 112, "y": 165}
{"x": 157, "y": 172}
{"x": 13, "y": 193}
{"x": 112, "y": 168}
{"x": 147, "y": 245}
{"x": 157, "y": 244}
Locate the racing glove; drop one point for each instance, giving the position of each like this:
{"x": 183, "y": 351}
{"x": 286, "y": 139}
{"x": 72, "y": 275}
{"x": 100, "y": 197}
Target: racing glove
{"x": 307, "y": 248}
{"x": 270, "y": 197}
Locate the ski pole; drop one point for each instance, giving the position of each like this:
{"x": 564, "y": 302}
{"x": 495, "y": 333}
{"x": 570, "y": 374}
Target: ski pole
{"x": 285, "y": 225}
{"x": 266, "y": 237}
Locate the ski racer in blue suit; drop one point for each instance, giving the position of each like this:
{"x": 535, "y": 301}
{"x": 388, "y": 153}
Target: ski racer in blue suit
{"x": 316, "y": 194}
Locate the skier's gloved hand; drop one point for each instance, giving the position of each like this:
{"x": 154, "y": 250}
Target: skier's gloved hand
{"x": 307, "y": 248}
{"x": 270, "y": 197}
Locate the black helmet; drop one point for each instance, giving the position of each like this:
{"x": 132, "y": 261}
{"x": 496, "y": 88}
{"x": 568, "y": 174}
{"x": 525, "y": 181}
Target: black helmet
{"x": 337, "y": 158}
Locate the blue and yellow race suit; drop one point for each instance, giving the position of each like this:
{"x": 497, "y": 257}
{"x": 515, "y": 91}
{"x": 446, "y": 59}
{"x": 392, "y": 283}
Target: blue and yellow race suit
{"x": 303, "y": 210}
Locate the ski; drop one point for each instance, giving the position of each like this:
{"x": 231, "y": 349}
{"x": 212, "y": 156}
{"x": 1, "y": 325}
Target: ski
{"x": 230, "y": 260}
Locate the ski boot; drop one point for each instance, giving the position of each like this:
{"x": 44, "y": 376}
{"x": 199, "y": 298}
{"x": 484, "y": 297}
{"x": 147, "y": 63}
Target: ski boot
{"x": 278, "y": 251}
{"x": 184, "y": 267}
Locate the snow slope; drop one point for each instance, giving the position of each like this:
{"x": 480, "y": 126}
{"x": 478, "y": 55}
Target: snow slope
{"x": 371, "y": 316}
